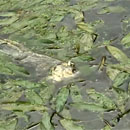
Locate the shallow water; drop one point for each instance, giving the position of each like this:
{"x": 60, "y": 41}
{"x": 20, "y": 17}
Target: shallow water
{"x": 51, "y": 28}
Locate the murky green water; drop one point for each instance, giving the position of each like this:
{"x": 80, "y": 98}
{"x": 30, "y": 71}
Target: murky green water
{"x": 94, "y": 34}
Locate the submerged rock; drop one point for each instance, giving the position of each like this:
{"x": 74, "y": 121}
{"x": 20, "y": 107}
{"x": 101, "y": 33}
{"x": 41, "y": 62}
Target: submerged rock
{"x": 39, "y": 66}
